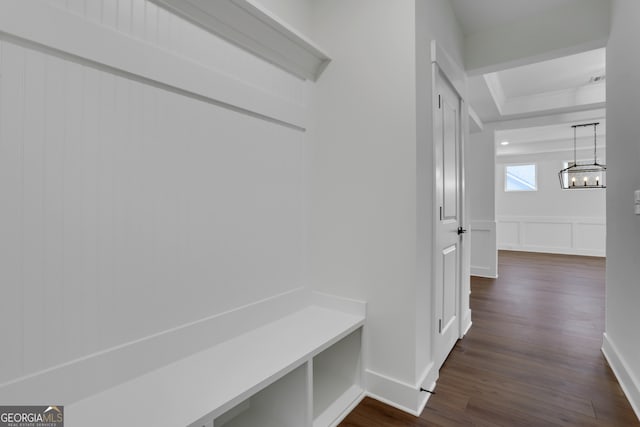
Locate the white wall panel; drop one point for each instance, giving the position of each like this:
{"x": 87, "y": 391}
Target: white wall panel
{"x": 563, "y": 235}
{"x": 128, "y": 210}
{"x": 621, "y": 344}
{"x": 11, "y": 219}
{"x": 546, "y": 234}
{"x": 73, "y": 245}
{"x": 110, "y": 13}
{"x": 508, "y": 233}
{"x": 151, "y": 22}
{"x": 93, "y": 10}
{"x": 33, "y": 160}
{"x": 483, "y": 249}
{"x": 76, "y": 6}
{"x": 53, "y": 201}
{"x": 480, "y": 182}
{"x": 589, "y": 236}
{"x": 125, "y": 16}
{"x": 363, "y": 177}
{"x": 138, "y": 19}
{"x": 164, "y": 17}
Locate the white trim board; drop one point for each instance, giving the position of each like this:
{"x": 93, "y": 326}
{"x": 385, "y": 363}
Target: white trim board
{"x": 251, "y": 27}
{"x": 629, "y": 384}
{"x": 428, "y": 381}
{"x": 466, "y": 324}
{"x": 476, "y": 124}
{"x": 49, "y": 27}
{"x": 450, "y": 68}
{"x": 484, "y": 272}
{"x": 399, "y": 394}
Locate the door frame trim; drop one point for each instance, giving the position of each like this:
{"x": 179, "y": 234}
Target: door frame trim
{"x": 442, "y": 64}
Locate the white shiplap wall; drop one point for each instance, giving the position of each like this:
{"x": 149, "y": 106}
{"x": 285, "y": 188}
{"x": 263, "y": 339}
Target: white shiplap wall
{"x": 127, "y": 209}
{"x": 144, "y": 20}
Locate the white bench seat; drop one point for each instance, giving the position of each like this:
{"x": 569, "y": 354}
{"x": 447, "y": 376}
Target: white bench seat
{"x": 212, "y": 381}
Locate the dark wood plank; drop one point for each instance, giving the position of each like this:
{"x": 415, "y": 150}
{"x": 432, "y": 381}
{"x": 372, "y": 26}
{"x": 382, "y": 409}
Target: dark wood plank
{"x": 532, "y": 357}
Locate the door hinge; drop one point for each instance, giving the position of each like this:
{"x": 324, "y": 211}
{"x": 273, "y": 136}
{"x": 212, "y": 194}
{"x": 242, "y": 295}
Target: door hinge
{"x": 439, "y": 326}
{"x": 439, "y": 101}
{"x": 440, "y": 213}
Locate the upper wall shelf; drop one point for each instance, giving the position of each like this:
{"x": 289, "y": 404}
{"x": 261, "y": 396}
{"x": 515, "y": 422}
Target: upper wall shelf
{"x": 251, "y": 27}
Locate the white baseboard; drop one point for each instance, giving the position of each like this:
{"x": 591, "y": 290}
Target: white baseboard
{"x": 629, "y": 384}
{"x": 466, "y": 324}
{"x": 552, "y": 250}
{"x": 399, "y": 394}
{"x": 482, "y": 272}
{"x": 69, "y": 382}
{"x": 393, "y": 392}
{"x": 428, "y": 382}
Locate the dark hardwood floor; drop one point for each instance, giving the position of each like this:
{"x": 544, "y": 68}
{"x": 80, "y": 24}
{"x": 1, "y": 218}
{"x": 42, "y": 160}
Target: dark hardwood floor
{"x": 532, "y": 357}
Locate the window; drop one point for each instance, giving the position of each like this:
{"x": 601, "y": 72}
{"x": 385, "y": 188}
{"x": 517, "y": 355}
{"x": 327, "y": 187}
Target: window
{"x": 520, "y": 178}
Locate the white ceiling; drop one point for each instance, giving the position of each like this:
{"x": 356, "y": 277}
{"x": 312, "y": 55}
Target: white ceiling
{"x": 559, "y": 74}
{"x": 551, "y": 138}
{"x": 551, "y": 132}
{"x": 557, "y": 86}
{"x": 480, "y": 15}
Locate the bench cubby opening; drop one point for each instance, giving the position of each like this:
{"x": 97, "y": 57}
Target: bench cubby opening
{"x": 281, "y": 404}
{"x": 337, "y": 378}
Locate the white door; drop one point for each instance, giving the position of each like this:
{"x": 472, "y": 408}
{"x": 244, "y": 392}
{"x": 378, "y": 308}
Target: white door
{"x": 448, "y": 218}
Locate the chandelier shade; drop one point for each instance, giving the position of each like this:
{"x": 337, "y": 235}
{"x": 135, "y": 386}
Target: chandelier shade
{"x": 584, "y": 176}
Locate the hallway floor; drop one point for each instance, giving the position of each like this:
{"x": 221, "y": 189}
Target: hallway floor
{"x": 531, "y": 358}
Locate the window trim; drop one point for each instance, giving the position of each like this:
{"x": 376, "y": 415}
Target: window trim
{"x": 504, "y": 175}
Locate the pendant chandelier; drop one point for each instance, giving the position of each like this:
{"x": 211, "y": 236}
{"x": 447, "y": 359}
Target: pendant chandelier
{"x": 593, "y": 175}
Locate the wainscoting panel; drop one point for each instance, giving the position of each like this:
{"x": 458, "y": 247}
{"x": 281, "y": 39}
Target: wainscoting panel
{"x": 562, "y": 235}
{"x": 550, "y": 235}
{"x": 508, "y": 233}
{"x": 589, "y": 236}
{"x": 484, "y": 258}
